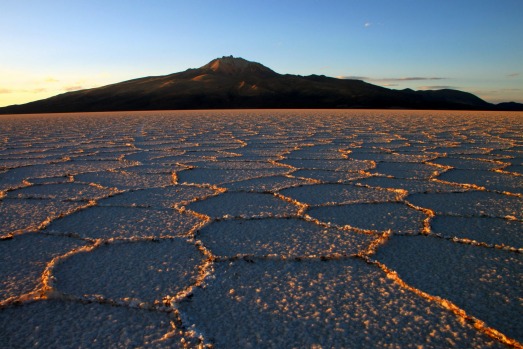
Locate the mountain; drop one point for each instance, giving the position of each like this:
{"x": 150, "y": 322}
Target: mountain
{"x": 231, "y": 83}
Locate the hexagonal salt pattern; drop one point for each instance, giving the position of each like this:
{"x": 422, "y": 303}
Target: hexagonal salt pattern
{"x": 261, "y": 228}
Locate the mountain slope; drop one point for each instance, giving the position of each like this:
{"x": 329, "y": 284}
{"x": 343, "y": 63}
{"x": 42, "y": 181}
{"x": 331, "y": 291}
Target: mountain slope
{"x": 230, "y": 82}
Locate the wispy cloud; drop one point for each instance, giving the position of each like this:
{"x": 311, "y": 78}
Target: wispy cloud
{"x": 513, "y": 75}
{"x": 511, "y": 89}
{"x": 411, "y": 78}
{"x": 408, "y": 78}
{"x": 50, "y": 79}
{"x": 367, "y": 24}
{"x": 73, "y": 88}
{"x": 35, "y": 90}
{"x": 353, "y": 77}
{"x": 436, "y": 87}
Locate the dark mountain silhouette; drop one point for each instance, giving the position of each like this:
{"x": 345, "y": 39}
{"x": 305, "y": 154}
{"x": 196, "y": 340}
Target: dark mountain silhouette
{"x": 231, "y": 83}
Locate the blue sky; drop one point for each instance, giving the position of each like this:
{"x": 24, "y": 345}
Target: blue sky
{"x": 50, "y": 47}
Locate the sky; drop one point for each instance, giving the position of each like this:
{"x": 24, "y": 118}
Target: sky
{"x": 48, "y": 47}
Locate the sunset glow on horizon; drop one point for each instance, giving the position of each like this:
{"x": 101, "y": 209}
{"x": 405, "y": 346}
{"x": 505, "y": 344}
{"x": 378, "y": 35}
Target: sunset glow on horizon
{"x": 54, "y": 47}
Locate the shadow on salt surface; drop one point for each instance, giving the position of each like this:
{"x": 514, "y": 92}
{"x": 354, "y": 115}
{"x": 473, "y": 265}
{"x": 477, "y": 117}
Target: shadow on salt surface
{"x": 406, "y": 170}
{"x": 329, "y": 176}
{"x": 398, "y": 217}
{"x": 338, "y": 304}
{"x": 220, "y": 176}
{"x": 489, "y": 180}
{"x": 265, "y": 184}
{"x": 164, "y": 197}
{"x": 124, "y": 222}
{"x": 134, "y": 271}
{"x": 61, "y": 191}
{"x": 59, "y": 324}
{"x": 126, "y": 180}
{"x": 332, "y": 194}
{"x": 485, "y": 282}
{"x": 24, "y": 258}
{"x": 410, "y": 185}
{"x": 493, "y": 231}
{"x": 283, "y": 237}
{"x": 471, "y": 203}
{"x": 23, "y": 214}
{"x": 244, "y": 205}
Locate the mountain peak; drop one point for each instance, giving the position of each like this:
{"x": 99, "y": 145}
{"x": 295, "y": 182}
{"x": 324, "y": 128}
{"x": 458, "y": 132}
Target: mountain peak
{"x": 230, "y": 65}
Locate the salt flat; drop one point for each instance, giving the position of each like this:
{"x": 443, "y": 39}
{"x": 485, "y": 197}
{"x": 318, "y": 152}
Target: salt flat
{"x": 261, "y": 229}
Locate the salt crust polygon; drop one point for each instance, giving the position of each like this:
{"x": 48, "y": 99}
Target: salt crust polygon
{"x": 406, "y": 170}
{"x": 471, "y": 203}
{"x": 221, "y": 176}
{"x": 165, "y": 197}
{"x": 397, "y": 217}
{"x": 141, "y": 271}
{"x": 334, "y": 165}
{"x": 23, "y": 215}
{"x": 329, "y": 176}
{"x": 330, "y": 194}
{"x": 24, "y": 258}
{"x": 490, "y": 180}
{"x": 281, "y": 237}
{"x": 484, "y": 282}
{"x": 243, "y": 204}
{"x": 493, "y": 231}
{"x": 124, "y": 222}
{"x": 410, "y": 185}
{"x": 61, "y": 191}
{"x": 338, "y": 304}
{"x": 126, "y": 180}
{"x": 59, "y": 324}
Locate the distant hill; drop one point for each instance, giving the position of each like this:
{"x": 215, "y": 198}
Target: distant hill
{"x": 233, "y": 83}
